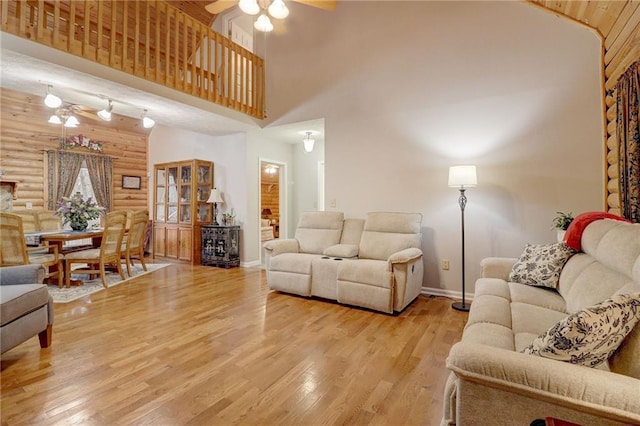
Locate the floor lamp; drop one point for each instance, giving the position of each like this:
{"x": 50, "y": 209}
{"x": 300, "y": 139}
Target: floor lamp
{"x": 216, "y": 198}
{"x": 462, "y": 177}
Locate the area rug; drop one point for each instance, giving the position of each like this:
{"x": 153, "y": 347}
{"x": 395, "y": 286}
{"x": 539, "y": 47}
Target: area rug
{"x": 66, "y": 295}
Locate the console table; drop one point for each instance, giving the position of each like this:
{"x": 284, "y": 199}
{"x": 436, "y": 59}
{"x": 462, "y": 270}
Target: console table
{"x": 220, "y": 245}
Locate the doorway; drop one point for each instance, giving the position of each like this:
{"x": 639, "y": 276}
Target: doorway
{"x": 273, "y": 216}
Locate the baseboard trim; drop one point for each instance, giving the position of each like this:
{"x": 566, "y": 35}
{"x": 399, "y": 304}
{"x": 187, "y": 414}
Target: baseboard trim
{"x": 446, "y": 293}
{"x": 251, "y": 264}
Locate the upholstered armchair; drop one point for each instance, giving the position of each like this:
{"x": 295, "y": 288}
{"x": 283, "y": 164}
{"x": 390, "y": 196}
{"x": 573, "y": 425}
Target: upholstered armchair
{"x": 266, "y": 230}
{"x": 27, "y": 308}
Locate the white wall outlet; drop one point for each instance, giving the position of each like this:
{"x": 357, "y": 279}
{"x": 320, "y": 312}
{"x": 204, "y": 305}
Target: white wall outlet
{"x": 445, "y": 264}
{"x": 332, "y": 203}
{"x": 29, "y": 205}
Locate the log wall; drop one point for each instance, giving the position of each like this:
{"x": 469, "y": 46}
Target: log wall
{"x": 25, "y": 135}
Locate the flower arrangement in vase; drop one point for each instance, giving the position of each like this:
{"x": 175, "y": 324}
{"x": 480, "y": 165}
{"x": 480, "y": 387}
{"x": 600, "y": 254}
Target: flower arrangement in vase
{"x": 228, "y": 218}
{"x": 77, "y": 212}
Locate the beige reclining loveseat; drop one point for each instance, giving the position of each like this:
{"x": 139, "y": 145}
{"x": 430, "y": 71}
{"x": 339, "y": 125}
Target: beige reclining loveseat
{"x": 374, "y": 263}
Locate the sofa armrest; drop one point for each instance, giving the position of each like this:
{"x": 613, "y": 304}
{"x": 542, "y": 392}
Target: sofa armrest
{"x": 497, "y": 267}
{"x": 23, "y": 274}
{"x": 404, "y": 256}
{"x": 580, "y": 388}
{"x": 276, "y": 247}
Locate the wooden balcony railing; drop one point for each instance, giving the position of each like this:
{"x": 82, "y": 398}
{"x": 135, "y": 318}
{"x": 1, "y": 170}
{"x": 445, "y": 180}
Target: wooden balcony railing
{"x": 149, "y": 39}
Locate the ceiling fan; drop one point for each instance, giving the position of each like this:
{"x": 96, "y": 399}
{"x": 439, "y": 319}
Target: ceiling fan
{"x": 274, "y": 8}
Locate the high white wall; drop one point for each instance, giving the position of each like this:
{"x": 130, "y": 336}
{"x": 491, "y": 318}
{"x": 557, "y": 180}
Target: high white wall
{"x": 409, "y": 89}
{"x": 228, "y": 154}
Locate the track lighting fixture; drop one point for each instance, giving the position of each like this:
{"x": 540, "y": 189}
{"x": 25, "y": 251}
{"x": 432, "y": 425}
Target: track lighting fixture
{"x": 147, "y": 122}
{"x": 51, "y": 100}
{"x": 105, "y": 114}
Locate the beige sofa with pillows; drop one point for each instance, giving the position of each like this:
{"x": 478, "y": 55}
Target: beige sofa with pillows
{"x": 572, "y": 353}
{"x": 374, "y": 263}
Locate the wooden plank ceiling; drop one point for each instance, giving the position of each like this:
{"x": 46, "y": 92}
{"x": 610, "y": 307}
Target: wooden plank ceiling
{"x": 605, "y": 16}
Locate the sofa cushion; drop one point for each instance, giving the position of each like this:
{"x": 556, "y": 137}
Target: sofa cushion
{"x": 486, "y": 333}
{"x": 540, "y": 264}
{"x": 585, "y": 282}
{"x": 591, "y": 335}
{"x": 318, "y": 230}
{"x": 492, "y": 287}
{"x": 387, "y": 233}
{"x": 366, "y": 271}
{"x": 342, "y": 251}
{"x": 352, "y": 231}
{"x": 533, "y": 319}
{"x": 490, "y": 309}
{"x": 538, "y": 296}
{"x": 20, "y": 299}
{"x": 297, "y": 263}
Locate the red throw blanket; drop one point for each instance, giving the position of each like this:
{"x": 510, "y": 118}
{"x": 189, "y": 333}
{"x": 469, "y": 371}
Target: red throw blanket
{"x": 573, "y": 236}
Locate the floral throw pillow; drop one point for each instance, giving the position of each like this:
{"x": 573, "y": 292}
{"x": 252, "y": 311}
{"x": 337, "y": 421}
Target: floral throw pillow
{"x": 590, "y": 336}
{"x": 540, "y": 265}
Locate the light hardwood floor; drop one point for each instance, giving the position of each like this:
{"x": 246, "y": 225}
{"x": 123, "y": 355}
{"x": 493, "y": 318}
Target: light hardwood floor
{"x": 202, "y": 346}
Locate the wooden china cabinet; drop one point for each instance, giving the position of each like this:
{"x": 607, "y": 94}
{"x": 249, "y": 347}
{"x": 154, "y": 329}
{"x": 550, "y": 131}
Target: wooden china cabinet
{"x": 181, "y": 190}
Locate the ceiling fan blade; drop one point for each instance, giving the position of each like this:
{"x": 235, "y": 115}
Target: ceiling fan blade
{"x": 320, "y": 4}
{"x": 220, "y": 6}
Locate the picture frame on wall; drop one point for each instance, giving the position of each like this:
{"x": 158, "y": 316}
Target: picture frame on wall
{"x": 131, "y": 182}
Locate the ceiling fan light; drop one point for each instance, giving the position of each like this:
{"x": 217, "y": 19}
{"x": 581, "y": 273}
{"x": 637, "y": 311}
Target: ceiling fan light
{"x": 105, "y": 114}
{"x": 71, "y": 122}
{"x": 249, "y": 7}
{"x": 51, "y": 100}
{"x": 278, "y": 9}
{"x": 263, "y": 23}
{"x": 54, "y": 119}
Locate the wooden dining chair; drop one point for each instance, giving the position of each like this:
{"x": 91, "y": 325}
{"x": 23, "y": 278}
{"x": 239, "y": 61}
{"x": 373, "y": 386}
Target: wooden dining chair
{"x": 133, "y": 242}
{"x": 107, "y": 254}
{"x": 14, "y": 250}
{"x": 49, "y": 221}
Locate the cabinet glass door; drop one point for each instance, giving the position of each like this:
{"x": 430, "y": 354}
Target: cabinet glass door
{"x": 160, "y": 195}
{"x": 185, "y": 194}
{"x": 172, "y": 192}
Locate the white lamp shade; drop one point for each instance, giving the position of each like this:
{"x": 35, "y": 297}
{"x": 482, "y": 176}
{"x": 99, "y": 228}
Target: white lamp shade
{"x": 278, "y": 9}
{"x": 308, "y": 144}
{"x": 71, "y": 122}
{"x": 105, "y": 114}
{"x": 462, "y": 176}
{"x": 147, "y": 122}
{"x": 54, "y": 119}
{"x": 52, "y": 101}
{"x": 215, "y": 197}
{"x": 263, "y": 23}
{"x": 249, "y": 7}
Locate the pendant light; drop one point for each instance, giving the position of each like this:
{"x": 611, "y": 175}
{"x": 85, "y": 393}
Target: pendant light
{"x": 308, "y": 142}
